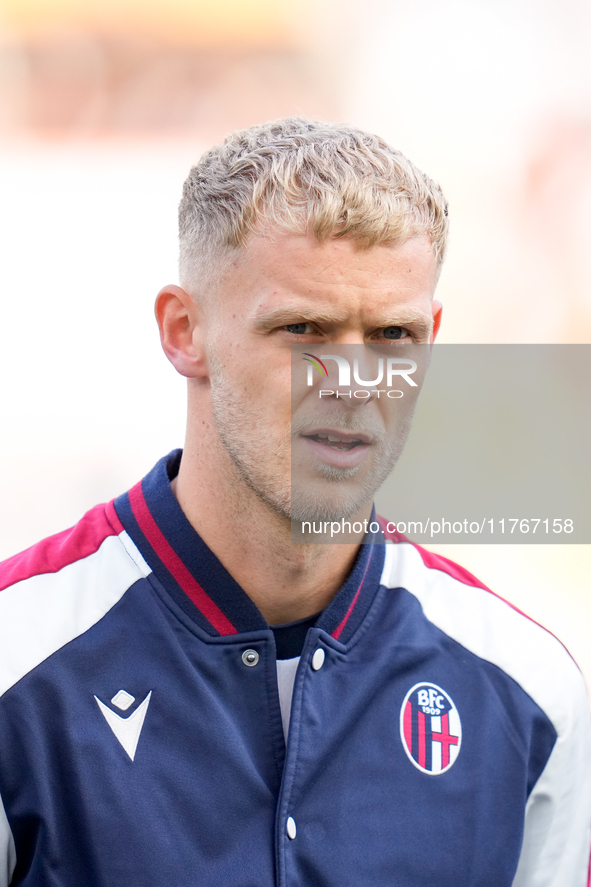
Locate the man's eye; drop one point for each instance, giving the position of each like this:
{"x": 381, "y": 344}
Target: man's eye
{"x": 298, "y": 328}
{"x": 395, "y": 332}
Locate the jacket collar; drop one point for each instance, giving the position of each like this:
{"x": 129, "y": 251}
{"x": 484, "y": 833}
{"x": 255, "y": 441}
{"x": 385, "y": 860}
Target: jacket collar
{"x": 199, "y": 583}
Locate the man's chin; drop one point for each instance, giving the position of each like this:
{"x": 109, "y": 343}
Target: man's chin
{"x": 313, "y": 508}
{"x": 338, "y": 494}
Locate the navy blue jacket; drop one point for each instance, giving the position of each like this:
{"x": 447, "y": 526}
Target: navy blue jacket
{"x": 440, "y": 737}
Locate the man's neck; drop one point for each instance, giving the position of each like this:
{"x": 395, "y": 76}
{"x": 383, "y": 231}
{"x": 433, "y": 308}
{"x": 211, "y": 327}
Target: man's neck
{"x": 286, "y": 581}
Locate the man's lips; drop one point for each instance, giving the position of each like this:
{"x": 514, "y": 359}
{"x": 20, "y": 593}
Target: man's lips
{"x": 338, "y": 448}
{"x": 337, "y": 440}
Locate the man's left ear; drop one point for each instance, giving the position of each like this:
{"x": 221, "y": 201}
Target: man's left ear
{"x": 437, "y": 309}
{"x": 180, "y": 320}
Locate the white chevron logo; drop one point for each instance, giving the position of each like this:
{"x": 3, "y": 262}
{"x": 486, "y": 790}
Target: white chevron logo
{"x": 127, "y": 730}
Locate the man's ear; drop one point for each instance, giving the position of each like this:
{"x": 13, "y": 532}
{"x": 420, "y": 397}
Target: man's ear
{"x": 437, "y": 309}
{"x": 180, "y": 320}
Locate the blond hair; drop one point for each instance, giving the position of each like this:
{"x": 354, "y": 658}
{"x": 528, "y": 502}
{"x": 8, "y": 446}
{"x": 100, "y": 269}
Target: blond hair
{"x": 302, "y": 176}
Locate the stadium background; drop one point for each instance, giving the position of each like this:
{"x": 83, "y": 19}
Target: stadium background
{"x": 105, "y": 104}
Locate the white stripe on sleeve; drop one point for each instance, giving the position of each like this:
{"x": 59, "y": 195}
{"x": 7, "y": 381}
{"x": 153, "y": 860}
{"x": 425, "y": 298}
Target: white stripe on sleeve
{"x": 43, "y": 613}
{"x": 557, "y": 837}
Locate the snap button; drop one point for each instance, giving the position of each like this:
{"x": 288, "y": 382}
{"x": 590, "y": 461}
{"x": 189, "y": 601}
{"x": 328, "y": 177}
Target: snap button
{"x": 290, "y": 828}
{"x": 250, "y": 657}
{"x": 318, "y": 659}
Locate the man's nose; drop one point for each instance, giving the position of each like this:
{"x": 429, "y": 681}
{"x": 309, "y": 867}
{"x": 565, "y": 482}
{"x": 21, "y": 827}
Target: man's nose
{"x": 354, "y": 379}
{"x": 354, "y": 396}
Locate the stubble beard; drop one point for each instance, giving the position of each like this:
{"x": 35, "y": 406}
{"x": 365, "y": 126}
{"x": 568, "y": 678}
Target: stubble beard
{"x": 239, "y": 426}
{"x": 329, "y": 498}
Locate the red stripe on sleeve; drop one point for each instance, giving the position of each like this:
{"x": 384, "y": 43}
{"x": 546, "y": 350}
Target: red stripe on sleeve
{"x": 113, "y": 518}
{"x": 438, "y": 562}
{"x": 56, "y": 552}
{"x": 422, "y": 750}
{"x": 174, "y": 564}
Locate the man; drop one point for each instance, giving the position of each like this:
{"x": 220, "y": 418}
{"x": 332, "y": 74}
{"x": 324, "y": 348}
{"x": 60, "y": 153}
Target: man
{"x": 398, "y": 724}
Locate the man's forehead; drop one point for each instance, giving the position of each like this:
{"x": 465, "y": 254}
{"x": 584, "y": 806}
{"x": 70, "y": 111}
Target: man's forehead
{"x": 289, "y": 266}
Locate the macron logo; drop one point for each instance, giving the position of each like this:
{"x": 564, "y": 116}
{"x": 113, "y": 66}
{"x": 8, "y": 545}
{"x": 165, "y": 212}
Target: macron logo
{"x": 127, "y": 730}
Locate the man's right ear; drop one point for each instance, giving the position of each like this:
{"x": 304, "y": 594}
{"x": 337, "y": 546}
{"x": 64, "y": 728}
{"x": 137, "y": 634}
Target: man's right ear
{"x": 180, "y": 320}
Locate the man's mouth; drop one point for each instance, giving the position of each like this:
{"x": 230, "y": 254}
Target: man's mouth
{"x": 341, "y": 449}
{"x": 335, "y": 442}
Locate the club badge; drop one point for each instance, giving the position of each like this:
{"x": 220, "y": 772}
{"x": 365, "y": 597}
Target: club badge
{"x": 430, "y": 729}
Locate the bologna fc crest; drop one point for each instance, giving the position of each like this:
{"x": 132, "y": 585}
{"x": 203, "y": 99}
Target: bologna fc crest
{"x": 430, "y": 728}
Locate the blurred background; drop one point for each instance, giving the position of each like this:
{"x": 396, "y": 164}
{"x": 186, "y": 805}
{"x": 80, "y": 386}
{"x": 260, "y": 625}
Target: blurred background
{"x": 105, "y": 105}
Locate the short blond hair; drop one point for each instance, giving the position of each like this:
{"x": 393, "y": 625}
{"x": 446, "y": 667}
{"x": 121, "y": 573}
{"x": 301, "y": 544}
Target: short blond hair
{"x": 303, "y": 176}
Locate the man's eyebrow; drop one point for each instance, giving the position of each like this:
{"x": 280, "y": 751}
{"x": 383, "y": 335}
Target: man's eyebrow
{"x": 286, "y": 314}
